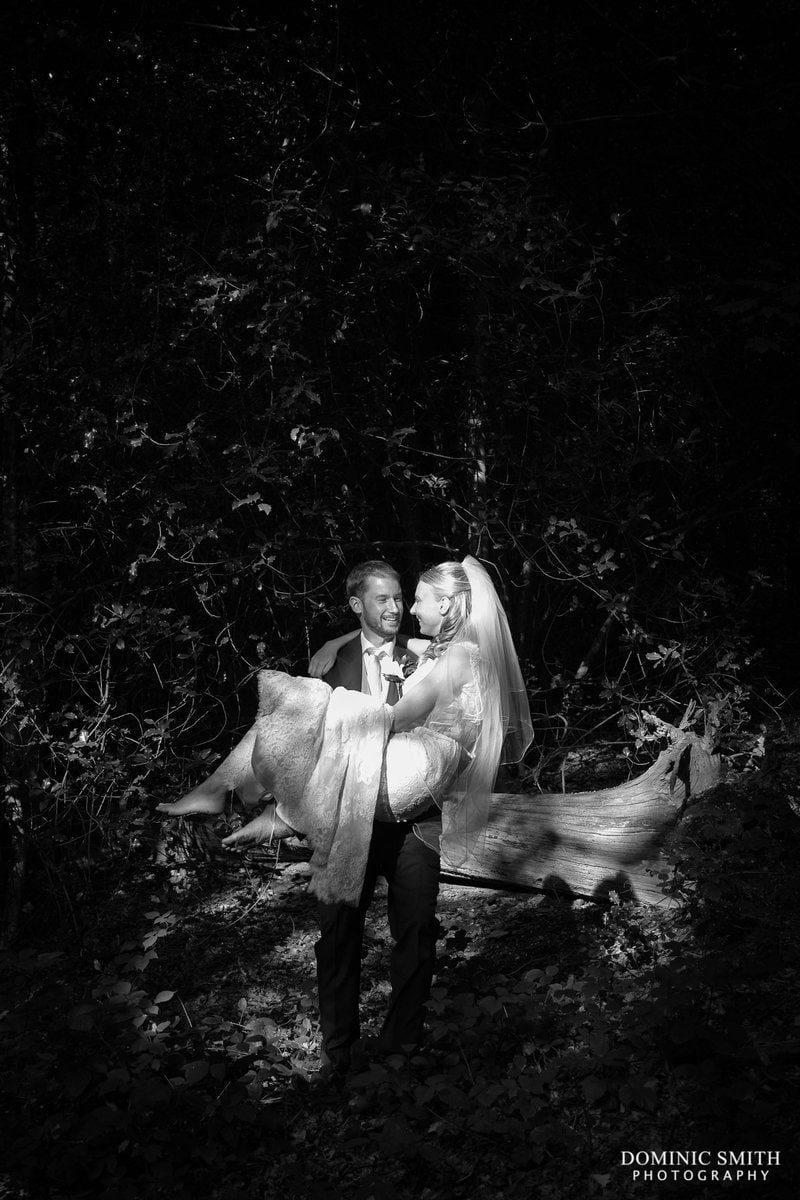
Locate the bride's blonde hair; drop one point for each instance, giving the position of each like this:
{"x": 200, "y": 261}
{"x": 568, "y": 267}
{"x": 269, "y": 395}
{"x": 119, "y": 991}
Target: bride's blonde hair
{"x": 449, "y": 579}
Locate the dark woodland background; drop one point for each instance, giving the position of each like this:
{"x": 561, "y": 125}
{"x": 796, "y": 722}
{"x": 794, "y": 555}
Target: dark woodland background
{"x": 285, "y": 290}
{"x": 292, "y": 285}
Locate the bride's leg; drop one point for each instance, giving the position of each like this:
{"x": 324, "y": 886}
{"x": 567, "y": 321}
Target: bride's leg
{"x": 267, "y": 827}
{"x": 234, "y": 773}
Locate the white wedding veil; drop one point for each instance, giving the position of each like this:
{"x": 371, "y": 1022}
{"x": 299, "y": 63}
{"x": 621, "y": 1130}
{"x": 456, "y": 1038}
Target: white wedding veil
{"x": 505, "y": 729}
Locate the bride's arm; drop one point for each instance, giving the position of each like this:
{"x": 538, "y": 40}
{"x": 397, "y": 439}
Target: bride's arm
{"x": 448, "y": 676}
{"x": 323, "y": 661}
{"x": 412, "y": 708}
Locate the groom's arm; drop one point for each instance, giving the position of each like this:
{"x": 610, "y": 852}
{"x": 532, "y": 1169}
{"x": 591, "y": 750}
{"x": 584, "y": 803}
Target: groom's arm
{"x": 336, "y": 653}
{"x": 401, "y": 643}
{"x": 324, "y": 661}
{"x": 415, "y": 645}
{"x": 347, "y": 669}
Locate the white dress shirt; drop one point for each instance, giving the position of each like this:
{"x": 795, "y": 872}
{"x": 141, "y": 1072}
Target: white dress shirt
{"x": 369, "y": 681}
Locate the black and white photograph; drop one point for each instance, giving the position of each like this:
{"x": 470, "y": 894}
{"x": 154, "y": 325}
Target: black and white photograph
{"x": 400, "y": 727}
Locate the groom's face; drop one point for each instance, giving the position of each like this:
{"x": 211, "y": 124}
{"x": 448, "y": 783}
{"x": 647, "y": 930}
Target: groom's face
{"x": 380, "y": 606}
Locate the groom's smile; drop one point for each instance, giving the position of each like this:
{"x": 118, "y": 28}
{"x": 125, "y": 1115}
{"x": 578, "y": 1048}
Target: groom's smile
{"x": 381, "y": 608}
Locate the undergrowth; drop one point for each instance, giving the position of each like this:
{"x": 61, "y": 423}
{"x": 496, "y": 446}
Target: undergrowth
{"x": 167, "y": 1049}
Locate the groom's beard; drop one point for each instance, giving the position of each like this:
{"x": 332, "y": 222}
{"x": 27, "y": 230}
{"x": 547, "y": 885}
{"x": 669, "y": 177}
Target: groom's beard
{"x": 383, "y": 628}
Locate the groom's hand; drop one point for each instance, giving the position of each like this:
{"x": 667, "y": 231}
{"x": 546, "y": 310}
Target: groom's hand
{"x": 322, "y": 662}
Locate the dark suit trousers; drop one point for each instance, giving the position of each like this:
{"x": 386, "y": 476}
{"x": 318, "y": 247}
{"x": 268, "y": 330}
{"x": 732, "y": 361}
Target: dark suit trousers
{"x": 411, "y": 869}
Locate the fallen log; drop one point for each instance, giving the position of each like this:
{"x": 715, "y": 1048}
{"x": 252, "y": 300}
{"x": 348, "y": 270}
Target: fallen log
{"x": 584, "y": 844}
{"x": 588, "y": 844}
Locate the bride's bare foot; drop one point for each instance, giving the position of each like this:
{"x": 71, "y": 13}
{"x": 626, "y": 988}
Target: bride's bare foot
{"x": 267, "y": 827}
{"x": 204, "y": 800}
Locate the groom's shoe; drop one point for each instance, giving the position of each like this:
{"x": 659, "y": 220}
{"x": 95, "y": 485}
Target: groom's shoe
{"x": 330, "y": 1080}
{"x": 375, "y": 1048}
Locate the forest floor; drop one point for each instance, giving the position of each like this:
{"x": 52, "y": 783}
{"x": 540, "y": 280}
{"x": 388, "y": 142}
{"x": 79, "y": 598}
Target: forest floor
{"x": 158, "y": 1032}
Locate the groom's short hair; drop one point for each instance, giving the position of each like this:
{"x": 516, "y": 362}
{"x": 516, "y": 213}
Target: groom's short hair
{"x": 357, "y": 578}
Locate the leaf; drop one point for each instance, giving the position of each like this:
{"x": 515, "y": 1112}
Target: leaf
{"x": 150, "y": 1092}
{"x": 683, "y": 1031}
{"x": 76, "y": 1081}
{"x": 594, "y": 1088}
{"x": 96, "y": 1123}
{"x": 80, "y": 1024}
{"x": 194, "y": 1072}
{"x": 163, "y": 996}
{"x": 80, "y": 1010}
{"x": 454, "y": 1097}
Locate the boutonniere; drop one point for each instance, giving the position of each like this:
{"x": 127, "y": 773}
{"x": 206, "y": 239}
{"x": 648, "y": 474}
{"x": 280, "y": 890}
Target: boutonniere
{"x": 408, "y": 665}
{"x": 392, "y": 672}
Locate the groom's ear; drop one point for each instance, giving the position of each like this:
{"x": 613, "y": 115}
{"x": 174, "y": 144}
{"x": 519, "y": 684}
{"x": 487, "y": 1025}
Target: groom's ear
{"x": 355, "y": 604}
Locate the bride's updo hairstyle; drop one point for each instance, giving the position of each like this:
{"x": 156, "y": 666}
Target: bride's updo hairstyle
{"x": 449, "y": 579}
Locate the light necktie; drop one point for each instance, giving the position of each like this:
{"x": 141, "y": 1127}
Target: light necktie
{"x": 374, "y": 675}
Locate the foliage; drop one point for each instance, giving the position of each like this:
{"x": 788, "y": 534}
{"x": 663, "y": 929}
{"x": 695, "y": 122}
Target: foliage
{"x": 288, "y": 290}
{"x": 268, "y": 315}
{"x": 178, "y": 1058}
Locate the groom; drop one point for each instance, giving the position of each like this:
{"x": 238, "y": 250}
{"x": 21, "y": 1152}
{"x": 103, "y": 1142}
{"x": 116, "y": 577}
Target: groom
{"x": 409, "y": 865}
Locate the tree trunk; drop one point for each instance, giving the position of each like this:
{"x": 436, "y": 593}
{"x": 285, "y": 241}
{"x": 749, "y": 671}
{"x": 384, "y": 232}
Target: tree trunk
{"x": 476, "y": 431}
{"x": 589, "y": 844}
{"x": 14, "y": 815}
{"x": 17, "y": 209}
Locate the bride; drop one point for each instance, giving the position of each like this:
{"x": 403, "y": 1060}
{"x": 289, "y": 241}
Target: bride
{"x": 336, "y": 760}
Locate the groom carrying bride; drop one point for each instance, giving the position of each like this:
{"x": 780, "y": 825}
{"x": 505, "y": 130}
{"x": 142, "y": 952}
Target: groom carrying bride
{"x": 376, "y": 663}
{"x": 383, "y": 771}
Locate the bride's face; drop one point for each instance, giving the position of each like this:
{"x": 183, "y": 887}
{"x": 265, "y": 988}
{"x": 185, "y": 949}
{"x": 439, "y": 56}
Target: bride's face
{"x": 429, "y": 609}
